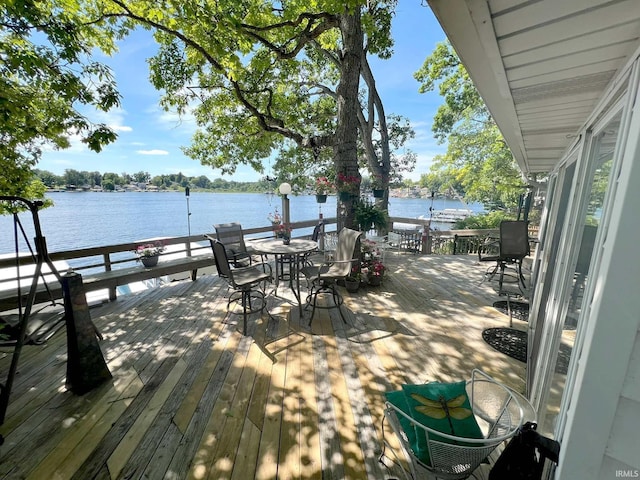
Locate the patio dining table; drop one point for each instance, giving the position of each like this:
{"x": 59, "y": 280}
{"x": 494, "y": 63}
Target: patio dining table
{"x": 289, "y": 255}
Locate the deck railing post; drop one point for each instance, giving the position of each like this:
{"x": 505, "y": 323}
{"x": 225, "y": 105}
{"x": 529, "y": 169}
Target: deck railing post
{"x": 426, "y": 240}
{"x": 107, "y": 268}
{"x": 86, "y": 367}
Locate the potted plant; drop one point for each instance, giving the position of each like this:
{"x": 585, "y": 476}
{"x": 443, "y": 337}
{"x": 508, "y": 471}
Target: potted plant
{"x": 352, "y": 281}
{"x": 283, "y": 231}
{"x": 323, "y": 186}
{"x": 276, "y": 219}
{"x": 368, "y": 216}
{"x": 377, "y": 186}
{"x": 148, "y": 253}
{"x": 347, "y": 185}
{"x": 376, "y": 272}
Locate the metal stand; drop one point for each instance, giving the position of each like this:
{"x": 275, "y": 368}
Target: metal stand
{"x": 42, "y": 257}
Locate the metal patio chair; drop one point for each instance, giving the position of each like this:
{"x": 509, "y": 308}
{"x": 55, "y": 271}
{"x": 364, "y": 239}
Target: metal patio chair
{"x": 247, "y": 283}
{"x": 497, "y": 412}
{"x": 231, "y": 235}
{"x": 315, "y": 236}
{"x": 509, "y": 250}
{"x": 322, "y": 278}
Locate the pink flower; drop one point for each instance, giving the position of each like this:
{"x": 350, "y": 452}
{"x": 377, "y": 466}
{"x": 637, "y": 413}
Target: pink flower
{"x": 323, "y": 185}
{"x": 347, "y": 183}
{"x": 150, "y": 249}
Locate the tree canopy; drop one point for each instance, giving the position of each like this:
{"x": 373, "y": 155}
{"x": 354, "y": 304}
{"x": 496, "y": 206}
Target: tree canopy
{"x": 259, "y": 78}
{"x": 262, "y": 78}
{"x": 46, "y": 75}
{"x": 478, "y": 163}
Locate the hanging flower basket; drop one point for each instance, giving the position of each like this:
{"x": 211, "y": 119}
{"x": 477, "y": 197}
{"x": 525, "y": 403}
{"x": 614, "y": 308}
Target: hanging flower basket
{"x": 344, "y": 196}
{"x": 348, "y": 186}
{"x": 378, "y": 193}
{"x": 323, "y": 186}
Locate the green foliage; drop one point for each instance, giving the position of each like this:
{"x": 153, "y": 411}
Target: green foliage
{"x": 173, "y": 181}
{"x": 266, "y": 80}
{"x": 483, "y": 221}
{"x": 399, "y": 132}
{"x": 45, "y": 75}
{"x": 444, "y": 70}
{"x": 368, "y": 216}
{"x": 478, "y": 163}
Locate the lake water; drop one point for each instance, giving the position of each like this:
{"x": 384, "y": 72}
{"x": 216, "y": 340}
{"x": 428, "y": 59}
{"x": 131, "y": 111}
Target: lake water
{"x": 88, "y": 219}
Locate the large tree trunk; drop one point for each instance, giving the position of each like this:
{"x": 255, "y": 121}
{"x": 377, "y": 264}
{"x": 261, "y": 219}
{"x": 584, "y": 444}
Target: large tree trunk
{"x": 345, "y": 153}
{"x": 378, "y": 166}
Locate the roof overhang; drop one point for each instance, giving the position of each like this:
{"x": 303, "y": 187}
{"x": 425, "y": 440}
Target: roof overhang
{"x": 541, "y": 67}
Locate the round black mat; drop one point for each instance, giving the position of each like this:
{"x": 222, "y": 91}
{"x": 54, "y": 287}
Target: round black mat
{"x": 509, "y": 341}
{"x": 513, "y": 343}
{"x": 519, "y": 310}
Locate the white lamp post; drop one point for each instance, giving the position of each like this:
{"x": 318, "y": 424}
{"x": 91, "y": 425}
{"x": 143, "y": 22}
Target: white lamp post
{"x": 285, "y": 189}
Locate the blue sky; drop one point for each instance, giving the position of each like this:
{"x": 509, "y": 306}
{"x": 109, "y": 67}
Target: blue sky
{"x": 149, "y": 139}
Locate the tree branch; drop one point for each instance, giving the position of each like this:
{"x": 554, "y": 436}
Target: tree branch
{"x": 306, "y": 36}
{"x": 267, "y": 122}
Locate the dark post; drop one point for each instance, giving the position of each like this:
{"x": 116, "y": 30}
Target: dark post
{"x": 86, "y": 367}
{"x": 186, "y": 192}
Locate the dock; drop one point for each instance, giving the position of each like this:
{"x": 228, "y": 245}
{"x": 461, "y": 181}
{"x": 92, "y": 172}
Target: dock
{"x": 193, "y": 398}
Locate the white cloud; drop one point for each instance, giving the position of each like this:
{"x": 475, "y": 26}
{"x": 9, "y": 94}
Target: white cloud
{"x": 121, "y": 128}
{"x": 152, "y": 152}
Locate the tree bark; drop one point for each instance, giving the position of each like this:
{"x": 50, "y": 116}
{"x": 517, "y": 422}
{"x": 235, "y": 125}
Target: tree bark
{"x": 345, "y": 152}
{"x": 379, "y": 166}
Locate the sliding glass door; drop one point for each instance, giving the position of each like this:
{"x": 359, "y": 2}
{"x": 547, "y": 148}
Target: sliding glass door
{"x": 559, "y": 300}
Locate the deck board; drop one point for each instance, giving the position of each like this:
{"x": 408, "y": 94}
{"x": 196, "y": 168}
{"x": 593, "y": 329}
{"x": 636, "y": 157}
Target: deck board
{"x": 192, "y": 398}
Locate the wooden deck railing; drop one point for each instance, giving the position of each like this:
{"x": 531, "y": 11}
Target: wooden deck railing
{"x": 465, "y": 242}
{"x": 110, "y": 265}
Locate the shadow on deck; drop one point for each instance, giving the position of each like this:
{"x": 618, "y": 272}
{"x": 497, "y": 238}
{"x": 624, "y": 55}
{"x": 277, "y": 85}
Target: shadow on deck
{"x": 192, "y": 398}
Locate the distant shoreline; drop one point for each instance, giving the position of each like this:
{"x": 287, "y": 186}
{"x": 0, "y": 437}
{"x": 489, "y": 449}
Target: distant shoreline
{"x": 421, "y": 193}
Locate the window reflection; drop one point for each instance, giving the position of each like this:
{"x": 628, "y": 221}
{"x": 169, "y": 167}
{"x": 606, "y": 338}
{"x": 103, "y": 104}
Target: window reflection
{"x": 598, "y": 180}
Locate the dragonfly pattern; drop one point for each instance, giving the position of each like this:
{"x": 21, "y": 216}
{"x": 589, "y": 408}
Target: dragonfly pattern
{"x": 443, "y": 408}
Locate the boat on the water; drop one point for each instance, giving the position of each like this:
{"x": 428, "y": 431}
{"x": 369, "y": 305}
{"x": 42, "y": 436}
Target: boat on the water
{"x": 451, "y": 215}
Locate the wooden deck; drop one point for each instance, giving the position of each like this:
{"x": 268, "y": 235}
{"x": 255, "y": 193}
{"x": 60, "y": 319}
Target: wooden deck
{"x": 192, "y": 398}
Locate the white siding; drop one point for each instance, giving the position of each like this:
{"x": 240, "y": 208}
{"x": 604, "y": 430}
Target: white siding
{"x": 611, "y": 466}
{"x": 622, "y": 451}
{"x": 631, "y": 387}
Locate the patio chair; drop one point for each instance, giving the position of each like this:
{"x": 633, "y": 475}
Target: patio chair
{"x": 481, "y": 412}
{"x": 230, "y": 234}
{"x": 243, "y": 280}
{"x": 511, "y": 248}
{"x": 315, "y": 236}
{"x": 330, "y": 245}
{"x": 322, "y": 278}
{"x": 404, "y": 240}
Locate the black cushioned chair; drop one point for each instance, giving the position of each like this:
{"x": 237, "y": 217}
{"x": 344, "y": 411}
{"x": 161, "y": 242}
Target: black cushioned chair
{"x": 511, "y": 248}
{"x": 247, "y": 282}
{"x": 231, "y": 235}
{"x": 315, "y": 236}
